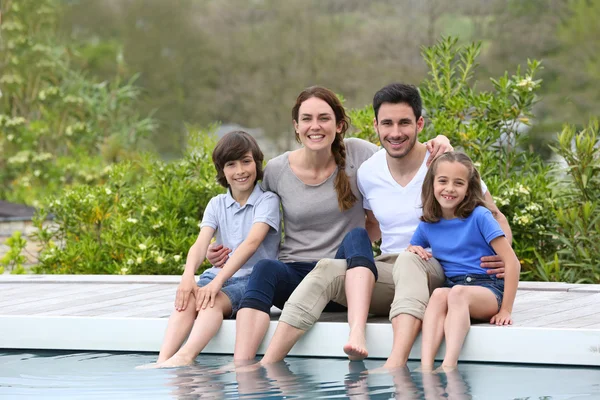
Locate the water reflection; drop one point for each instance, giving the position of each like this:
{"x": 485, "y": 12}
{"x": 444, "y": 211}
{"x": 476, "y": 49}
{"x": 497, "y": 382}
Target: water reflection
{"x": 112, "y": 375}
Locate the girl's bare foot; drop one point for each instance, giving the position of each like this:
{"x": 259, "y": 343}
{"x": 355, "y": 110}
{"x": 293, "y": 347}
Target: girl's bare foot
{"x": 356, "y": 348}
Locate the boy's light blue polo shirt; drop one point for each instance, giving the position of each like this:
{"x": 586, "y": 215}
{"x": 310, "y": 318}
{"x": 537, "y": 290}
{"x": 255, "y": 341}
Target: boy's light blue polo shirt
{"x": 232, "y": 223}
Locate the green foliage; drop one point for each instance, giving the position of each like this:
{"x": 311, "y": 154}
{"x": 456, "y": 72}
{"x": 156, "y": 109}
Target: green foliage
{"x": 54, "y": 119}
{"x": 13, "y": 259}
{"x": 578, "y": 204}
{"x": 143, "y": 220}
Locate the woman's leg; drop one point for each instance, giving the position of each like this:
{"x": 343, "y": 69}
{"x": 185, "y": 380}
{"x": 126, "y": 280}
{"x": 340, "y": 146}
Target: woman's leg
{"x": 271, "y": 282}
{"x": 179, "y": 326}
{"x": 360, "y": 280}
{"x": 207, "y": 324}
{"x": 433, "y": 327}
{"x": 464, "y": 303}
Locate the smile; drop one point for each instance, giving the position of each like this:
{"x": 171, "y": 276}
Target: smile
{"x": 241, "y": 180}
{"x": 316, "y": 137}
{"x": 447, "y": 197}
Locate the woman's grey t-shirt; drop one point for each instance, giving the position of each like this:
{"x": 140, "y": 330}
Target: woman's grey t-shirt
{"x": 313, "y": 224}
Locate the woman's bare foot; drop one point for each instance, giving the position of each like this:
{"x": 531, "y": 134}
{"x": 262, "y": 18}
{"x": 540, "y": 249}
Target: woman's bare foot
{"x": 356, "y": 348}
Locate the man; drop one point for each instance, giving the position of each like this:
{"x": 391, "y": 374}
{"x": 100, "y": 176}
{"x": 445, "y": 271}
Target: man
{"x": 390, "y": 182}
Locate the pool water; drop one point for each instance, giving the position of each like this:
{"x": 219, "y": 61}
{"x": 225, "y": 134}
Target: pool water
{"x": 74, "y": 375}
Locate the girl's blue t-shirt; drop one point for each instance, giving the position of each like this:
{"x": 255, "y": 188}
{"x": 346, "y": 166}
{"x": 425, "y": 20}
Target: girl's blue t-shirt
{"x": 458, "y": 244}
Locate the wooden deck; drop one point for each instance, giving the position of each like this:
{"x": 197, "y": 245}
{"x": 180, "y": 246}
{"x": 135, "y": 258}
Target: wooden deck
{"x": 58, "y": 306}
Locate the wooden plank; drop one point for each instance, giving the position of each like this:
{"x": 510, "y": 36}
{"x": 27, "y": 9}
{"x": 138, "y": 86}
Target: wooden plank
{"x": 551, "y": 320}
{"x": 62, "y": 295}
{"x": 62, "y": 307}
{"x": 580, "y": 300}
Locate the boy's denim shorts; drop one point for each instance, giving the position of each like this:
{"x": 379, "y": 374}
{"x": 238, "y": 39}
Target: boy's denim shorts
{"x": 234, "y": 288}
{"x": 488, "y": 281}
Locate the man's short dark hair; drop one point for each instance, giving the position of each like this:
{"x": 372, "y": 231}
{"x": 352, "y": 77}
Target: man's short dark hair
{"x": 397, "y": 93}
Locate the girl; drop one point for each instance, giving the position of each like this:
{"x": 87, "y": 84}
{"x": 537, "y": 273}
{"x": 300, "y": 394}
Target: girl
{"x": 245, "y": 219}
{"x": 459, "y": 229}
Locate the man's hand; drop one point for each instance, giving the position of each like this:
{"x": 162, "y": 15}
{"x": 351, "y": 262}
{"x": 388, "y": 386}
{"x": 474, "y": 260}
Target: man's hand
{"x": 494, "y": 265}
{"x": 421, "y": 252}
{"x": 185, "y": 288}
{"x": 217, "y": 255}
{"x": 437, "y": 147}
{"x": 206, "y": 296}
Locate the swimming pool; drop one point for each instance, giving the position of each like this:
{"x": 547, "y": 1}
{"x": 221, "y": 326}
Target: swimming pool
{"x": 70, "y": 375}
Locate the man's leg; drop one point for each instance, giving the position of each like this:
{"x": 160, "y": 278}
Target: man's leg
{"x": 414, "y": 280}
{"x": 304, "y": 307}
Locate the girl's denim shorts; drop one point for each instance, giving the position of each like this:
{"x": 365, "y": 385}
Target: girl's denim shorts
{"x": 234, "y": 288}
{"x": 488, "y": 281}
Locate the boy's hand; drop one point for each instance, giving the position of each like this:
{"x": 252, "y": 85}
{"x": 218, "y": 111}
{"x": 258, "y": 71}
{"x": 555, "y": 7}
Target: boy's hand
{"x": 502, "y": 318}
{"x": 206, "y": 296}
{"x": 185, "y": 288}
{"x": 421, "y": 252}
{"x": 217, "y": 255}
{"x": 494, "y": 265}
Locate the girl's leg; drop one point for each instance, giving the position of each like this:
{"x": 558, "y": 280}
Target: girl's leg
{"x": 360, "y": 280}
{"x": 271, "y": 283}
{"x": 464, "y": 303}
{"x": 179, "y": 326}
{"x": 433, "y": 327}
{"x": 207, "y": 324}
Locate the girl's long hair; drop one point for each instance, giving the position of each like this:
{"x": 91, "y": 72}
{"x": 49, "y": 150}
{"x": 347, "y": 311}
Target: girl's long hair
{"x": 432, "y": 212}
{"x": 346, "y": 198}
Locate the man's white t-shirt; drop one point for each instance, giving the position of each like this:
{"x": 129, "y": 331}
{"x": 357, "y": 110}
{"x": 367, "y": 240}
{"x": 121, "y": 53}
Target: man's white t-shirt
{"x": 397, "y": 208}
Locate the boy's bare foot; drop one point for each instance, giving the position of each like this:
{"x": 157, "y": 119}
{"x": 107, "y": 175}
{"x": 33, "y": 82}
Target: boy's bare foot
{"x": 356, "y": 348}
{"x": 176, "y": 361}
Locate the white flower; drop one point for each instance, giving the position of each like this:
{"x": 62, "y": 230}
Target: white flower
{"x": 177, "y": 257}
{"x": 133, "y": 221}
{"x": 142, "y": 246}
{"x": 154, "y": 209}
{"x": 10, "y": 137}
{"x": 108, "y": 191}
{"x": 139, "y": 260}
{"x": 130, "y": 262}
{"x": 160, "y": 260}
{"x": 124, "y": 271}
{"x": 156, "y": 226}
{"x": 37, "y": 172}
{"x": 523, "y": 189}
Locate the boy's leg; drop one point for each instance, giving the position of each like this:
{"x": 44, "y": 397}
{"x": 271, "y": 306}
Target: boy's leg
{"x": 465, "y": 302}
{"x": 433, "y": 327}
{"x": 207, "y": 324}
{"x": 414, "y": 280}
{"x": 179, "y": 326}
{"x": 305, "y": 305}
{"x": 270, "y": 283}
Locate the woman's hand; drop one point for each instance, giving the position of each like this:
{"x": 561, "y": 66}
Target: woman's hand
{"x": 206, "y": 296}
{"x": 217, "y": 255}
{"x": 421, "y": 252}
{"x": 502, "y": 318}
{"x": 185, "y": 288}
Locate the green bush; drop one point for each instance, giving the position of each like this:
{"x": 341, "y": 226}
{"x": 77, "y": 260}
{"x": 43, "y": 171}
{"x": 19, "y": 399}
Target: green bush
{"x": 53, "y": 118}
{"x": 143, "y": 220}
{"x": 13, "y": 259}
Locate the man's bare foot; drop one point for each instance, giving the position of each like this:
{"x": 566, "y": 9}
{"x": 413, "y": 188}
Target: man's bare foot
{"x": 446, "y": 368}
{"x": 176, "y": 361}
{"x": 356, "y": 348}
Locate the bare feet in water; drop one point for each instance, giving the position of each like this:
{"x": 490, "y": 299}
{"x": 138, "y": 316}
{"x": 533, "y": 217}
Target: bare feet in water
{"x": 356, "y": 348}
{"x": 173, "y": 362}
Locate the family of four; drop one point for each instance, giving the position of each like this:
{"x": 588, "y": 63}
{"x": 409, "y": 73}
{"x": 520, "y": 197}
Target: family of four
{"x": 446, "y": 252}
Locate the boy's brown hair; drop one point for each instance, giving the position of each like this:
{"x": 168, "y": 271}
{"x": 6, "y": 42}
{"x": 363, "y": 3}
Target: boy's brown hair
{"x": 432, "y": 212}
{"x": 233, "y": 146}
